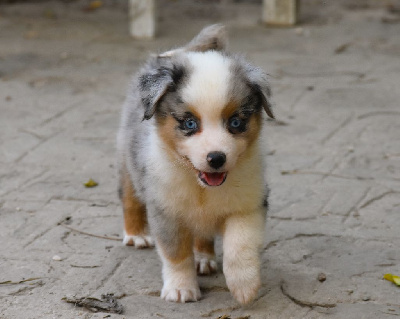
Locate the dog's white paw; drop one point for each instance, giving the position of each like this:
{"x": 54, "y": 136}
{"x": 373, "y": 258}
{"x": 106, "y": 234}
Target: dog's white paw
{"x": 205, "y": 264}
{"x": 140, "y": 241}
{"x": 243, "y": 284}
{"x": 245, "y": 293}
{"x": 180, "y": 294}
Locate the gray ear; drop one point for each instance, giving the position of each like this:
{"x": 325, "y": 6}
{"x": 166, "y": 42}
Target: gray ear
{"x": 212, "y": 37}
{"x": 265, "y": 98}
{"x": 154, "y": 82}
{"x": 258, "y": 81}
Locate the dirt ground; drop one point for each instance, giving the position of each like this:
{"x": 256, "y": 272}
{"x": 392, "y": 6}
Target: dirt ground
{"x": 334, "y": 160}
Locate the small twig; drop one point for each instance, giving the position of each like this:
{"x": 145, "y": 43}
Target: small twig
{"x": 342, "y": 48}
{"x": 89, "y": 234}
{"x": 391, "y": 155}
{"x": 9, "y": 282}
{"x": 78, "y": 266}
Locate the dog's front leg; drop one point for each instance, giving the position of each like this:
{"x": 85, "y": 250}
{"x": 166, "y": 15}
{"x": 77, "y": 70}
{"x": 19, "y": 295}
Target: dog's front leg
{"x": 179, "y": 272}
{"x": 242, "y": 240}
{"x": 175, "y": 246}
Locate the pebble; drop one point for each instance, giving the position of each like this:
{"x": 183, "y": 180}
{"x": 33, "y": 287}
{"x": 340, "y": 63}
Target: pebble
{"x": 321, "y": 277}
{"x": 57, "y": 258}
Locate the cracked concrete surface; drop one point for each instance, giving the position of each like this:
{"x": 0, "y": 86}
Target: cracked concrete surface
{"x": 334, "y": 160}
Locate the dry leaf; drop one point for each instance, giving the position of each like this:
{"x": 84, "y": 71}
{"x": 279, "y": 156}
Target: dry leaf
{"x": 50, "y": 14}
{"x": 107, "y": 303}
{"x": 93, "y": 5}
{"x": 394, "y": 279}
{"x": 31, "y": 34}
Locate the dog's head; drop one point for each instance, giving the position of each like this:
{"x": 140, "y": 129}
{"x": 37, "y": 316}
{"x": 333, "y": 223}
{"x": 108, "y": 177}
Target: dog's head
{"x": 207, "y": 104}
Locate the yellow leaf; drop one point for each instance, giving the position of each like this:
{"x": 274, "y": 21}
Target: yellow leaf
{"x": 95, "y": 4}
{"x": 49, "y": 13}
{"x": 90, "y": 183}
{"x": 394, "y": 279}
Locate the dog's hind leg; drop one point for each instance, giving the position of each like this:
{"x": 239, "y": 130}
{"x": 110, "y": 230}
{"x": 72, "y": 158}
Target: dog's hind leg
{"x": 204, "y": 256}
{"x": 135, "y": 219}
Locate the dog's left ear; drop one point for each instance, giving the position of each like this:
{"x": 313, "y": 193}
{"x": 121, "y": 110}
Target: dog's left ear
{"x": 258, "y": 81}
{"x": 155, "y": 81}
{"x": 212, "y": 37}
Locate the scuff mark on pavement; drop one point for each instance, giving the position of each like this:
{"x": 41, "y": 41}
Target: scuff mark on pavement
{"x": 304, "y": 303}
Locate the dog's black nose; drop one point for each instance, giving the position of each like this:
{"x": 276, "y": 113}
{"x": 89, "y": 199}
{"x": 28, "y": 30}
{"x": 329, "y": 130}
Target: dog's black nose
{"x": 216, "y": 159}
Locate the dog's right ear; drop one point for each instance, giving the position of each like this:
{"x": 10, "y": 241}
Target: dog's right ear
{"x": 258, "y": 82}
{"x": 155, "y": 81}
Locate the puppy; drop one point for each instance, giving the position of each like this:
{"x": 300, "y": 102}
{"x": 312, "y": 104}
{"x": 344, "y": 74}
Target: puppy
{"x": 191, "y": 165}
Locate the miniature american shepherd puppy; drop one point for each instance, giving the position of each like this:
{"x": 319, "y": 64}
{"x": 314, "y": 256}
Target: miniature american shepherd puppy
{"x": 191, "y": 165}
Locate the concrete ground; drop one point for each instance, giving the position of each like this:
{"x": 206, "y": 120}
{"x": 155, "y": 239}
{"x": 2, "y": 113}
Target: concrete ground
{"x": 334, "y": 162}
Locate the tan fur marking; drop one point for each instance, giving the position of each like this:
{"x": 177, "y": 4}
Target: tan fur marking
{"x": 195, "y": 112}
{"x": 167, "y": 133}
{"x": 183, "y": 250}
{"x": 229, "y": 110}
{"x": 202, "y": 196}
{"x": 204, "y": 246}
{"x": 166, "y": 130}
{"x": 254, "y": 127}
{"x": 135, "y": 220}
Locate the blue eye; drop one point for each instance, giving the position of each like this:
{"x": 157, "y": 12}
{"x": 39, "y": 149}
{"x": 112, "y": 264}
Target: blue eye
{"x": 235, "y": 122}
{"x": 190, "y": 124}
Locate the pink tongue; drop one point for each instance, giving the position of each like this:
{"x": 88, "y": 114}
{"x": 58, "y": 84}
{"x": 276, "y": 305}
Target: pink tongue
{"x": 213, "y": 179}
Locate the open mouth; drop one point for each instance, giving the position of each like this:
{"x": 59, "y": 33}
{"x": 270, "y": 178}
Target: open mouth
{"x": 212, "y": 179}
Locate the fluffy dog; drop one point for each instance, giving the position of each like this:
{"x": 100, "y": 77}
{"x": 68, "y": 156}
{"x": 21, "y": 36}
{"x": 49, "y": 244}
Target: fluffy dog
{"x": 192, "y": 166}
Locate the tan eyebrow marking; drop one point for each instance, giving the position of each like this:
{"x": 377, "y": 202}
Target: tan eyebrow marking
{"x": 230, "y": 109}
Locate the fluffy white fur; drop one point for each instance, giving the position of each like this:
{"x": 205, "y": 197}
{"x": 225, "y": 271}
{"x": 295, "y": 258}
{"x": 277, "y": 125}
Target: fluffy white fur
{"x": 210, "y": 74}
{"x": 180, "y": 282}
{"x": 205, "y": 263}
{"x": 243, "y": 238}
{"x": 143, "y": 241}
{"x": 177, "y": 190}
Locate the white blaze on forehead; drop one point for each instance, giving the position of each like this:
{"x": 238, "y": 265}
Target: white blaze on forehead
{"x": 207, "y": 88}
{"x": 207, "y": 92}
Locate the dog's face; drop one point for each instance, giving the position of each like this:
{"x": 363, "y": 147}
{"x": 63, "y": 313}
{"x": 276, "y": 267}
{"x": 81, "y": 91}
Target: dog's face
{"x": 208, "y": 109}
